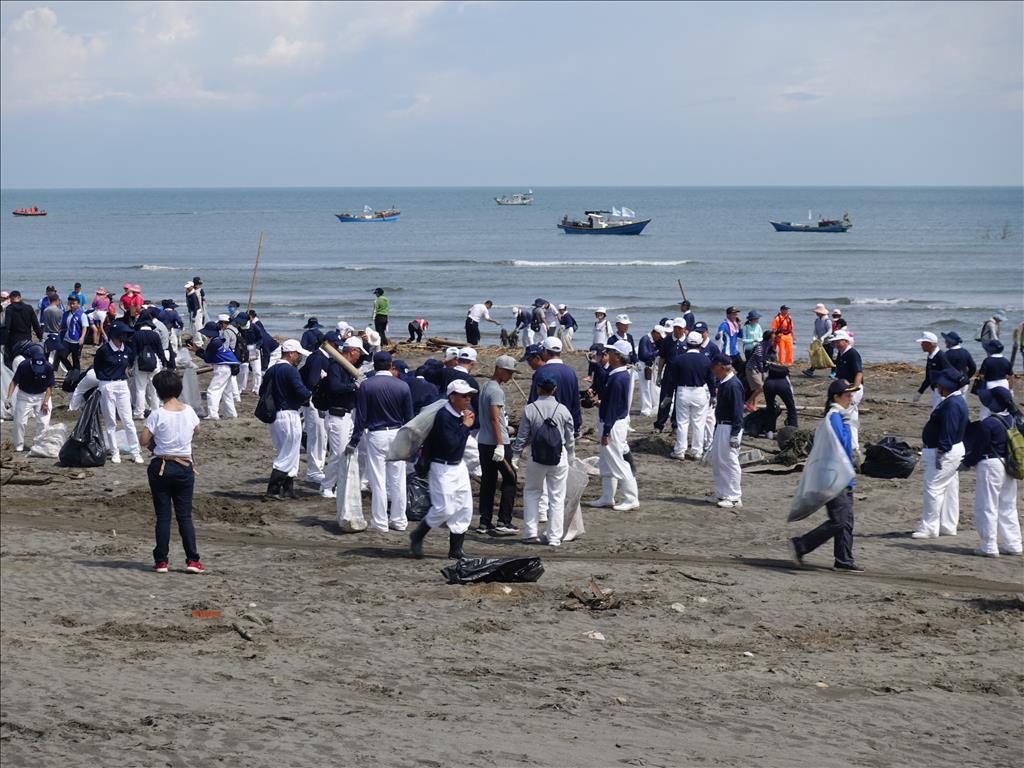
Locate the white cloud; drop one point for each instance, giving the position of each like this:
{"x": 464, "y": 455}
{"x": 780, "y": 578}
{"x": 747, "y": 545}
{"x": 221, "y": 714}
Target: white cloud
{"x": 375, "y": 21}
{"x": 284, "y": 53}
{"x": 167, "y": 23}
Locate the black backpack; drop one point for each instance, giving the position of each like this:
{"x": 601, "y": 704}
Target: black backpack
{"x": 320, "y": 399}
{"x": 146, "y": 360}
{"x": 546, "y": 442}
{"x": 266, "y": 408}
{"x": 241, "y": 349}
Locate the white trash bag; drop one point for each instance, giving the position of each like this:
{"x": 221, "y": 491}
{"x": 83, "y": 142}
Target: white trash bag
{"x": 49, "y": 442}
{"x": 349, "y": 505}
{"x": 6, "y": 406}
{"x": 410, "y": 437}
{"x": 575, "y": 485}
{"x": 827, "y": 472}
{"x": 191, "y": 394}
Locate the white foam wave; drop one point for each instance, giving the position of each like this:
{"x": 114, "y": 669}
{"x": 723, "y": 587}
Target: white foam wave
{"x": 633, "y": 263}
{"x": 872, "y": 300}
{"x": 157, "y": 268}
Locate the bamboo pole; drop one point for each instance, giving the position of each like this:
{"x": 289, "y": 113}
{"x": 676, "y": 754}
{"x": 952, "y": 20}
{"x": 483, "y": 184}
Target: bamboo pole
{"x": 252, "y": 285}
{"x": 331, "y": 350}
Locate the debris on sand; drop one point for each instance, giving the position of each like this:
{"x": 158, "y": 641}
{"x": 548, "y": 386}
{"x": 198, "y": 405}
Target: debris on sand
{"x": 592, "y": 598}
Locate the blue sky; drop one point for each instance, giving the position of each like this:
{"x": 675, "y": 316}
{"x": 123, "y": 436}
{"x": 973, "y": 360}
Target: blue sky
{"x": 510, "y": 94}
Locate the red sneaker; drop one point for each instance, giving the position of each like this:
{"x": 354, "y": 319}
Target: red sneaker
{"x": 194, "y": 566}
{"x": 161, "y": 567}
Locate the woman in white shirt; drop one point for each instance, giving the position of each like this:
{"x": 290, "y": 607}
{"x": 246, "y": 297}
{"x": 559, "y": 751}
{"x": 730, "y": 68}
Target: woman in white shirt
{"x": 168, "y": 435}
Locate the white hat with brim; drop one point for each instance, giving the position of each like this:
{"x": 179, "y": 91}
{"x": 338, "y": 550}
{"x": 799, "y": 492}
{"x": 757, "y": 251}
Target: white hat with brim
{"x": 694, "y": 339}
{"x": 354, "y": 342}
{"x": 623, "y": 347}
{"x": 223, "y": 318}
{"x": 467, "y": 353}
{"x": 451, "y": 353}
{"x": 928, "y": 336}
{"x": 601, "y": 311}
{"x": 840, "y": 336}
{"x": 294, "y": 345}
{"x": 459, "y": 387}
{"x": 623, "y": 319}
{"x": 679, "y": 322}
{"x": 552, "y": 344}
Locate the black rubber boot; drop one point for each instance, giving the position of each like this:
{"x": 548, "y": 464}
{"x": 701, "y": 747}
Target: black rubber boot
{"x": 629, "y": 460}
{"x": 274, "y": 486}
{"x": 288, "y": 489}
{"x": 416, "y": 539}
{"x": 455, "y": 546}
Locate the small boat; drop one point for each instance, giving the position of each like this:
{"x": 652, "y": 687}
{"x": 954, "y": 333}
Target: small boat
{"x": 368, "y": 214}
{"x": 516, "y": 198}
{"x": 823, "y": 225}
{"x": 33, "y": 211}
{"x": 613, "y": 222}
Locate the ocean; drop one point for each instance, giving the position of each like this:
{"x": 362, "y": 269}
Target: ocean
{"x": 917, "y": 259}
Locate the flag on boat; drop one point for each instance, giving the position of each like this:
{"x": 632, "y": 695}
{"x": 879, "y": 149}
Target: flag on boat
{"x": 615, "y": 211}
{"x": 367, "y": 209}
{"x": 628, "y": 212}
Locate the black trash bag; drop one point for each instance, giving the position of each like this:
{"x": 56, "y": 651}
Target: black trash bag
{"x": 85, "y": 447}
{"x": 477, "y": 570}
{"x": 758, "y": 424}
{"x": 418, "y": 498}
{"x": 71, "y": 380}
{"x": 888, "y": 458}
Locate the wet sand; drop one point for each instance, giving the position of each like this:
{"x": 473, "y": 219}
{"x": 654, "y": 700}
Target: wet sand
{"x": 337, "y": 649}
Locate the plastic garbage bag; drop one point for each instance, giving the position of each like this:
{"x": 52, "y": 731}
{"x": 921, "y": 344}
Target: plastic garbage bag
{"x": 819, "y": 356}
{"x": 477, "y": 570}
{"x": 85, "y": 447}
{"x": 889, "y": 458}
{"x": 418, "y": 497}
{"x": 191, "y": 394}
{"x": 6, "y": 406}
{"x": 49, "y": 442}
{"x": 827, "y": 472}
{"x": 575, "y": 485}
{"x": 410, "y": 437}
{"x": 349, "y": 505}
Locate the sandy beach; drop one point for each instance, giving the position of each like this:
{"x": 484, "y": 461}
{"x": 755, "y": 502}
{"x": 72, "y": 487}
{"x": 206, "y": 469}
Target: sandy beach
{"x": 335, "y": 649}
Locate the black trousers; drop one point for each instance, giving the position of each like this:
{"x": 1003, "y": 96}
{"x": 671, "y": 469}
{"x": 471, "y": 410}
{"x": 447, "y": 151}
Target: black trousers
{"x": 839, "y": 527}
{"x": 779, "y": 388}
{"x": 415, "y": 332}
{"x": 71, "y": 357}
{"x": 380, "y": 325}
{"x": 472, "y": 331}
{"x": 490, "y": 470}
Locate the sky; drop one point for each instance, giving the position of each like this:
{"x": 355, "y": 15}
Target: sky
{"x": 176, "y": 94}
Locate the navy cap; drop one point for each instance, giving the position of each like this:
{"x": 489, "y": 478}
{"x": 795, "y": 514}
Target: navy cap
{"x": 534, "y": 350}
{"x": 839, "y": 386}
{"x": 334, "y": 337}
{"x": 211, "y": 329}
{"x": 993, "y": 346}
{"x": 119, "y": 330}
{"x": 597, "y": 347}
{"x": 169, "y": 304}
{"x": 947, "y": 378}
{"x": 700, "y": 327}
{"x": 400, "y": 365}
{"x": 546, "y": 382}
{"x": 382, "y": 357}
{"x": 997, "y": 399}
{"x": 312, "y": 323}
{"x": 753, "y": 315}
{"x": 953, "y": 337}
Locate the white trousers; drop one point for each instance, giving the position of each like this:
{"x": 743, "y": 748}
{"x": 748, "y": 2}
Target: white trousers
{"x": 387, "y": 481}
{"x": 613, "y": 466}
{"x": 471, "y": 456}
{"x": 117, "y": 404}
{"x": 941, "y": 510}
{"x": 566, "y": 335}
{"x": 995, "y": 508}
{"x": 691, "y": 416}
{"x": 548, "y": 481}
{"x": 649, "y": 390}
{"x": 854, "y": 422}
{"x": 145, "y": 395}
{"x": 255, "y": 366}
{"x": 709, "y": 426}
{"x": 219, "y": 391}
{"x": 725, "y": 465}
{"x": 86, "y": 384}
{"x": 286, "y": 437}
{"x": 26, "y": 405}
{"x": 316, "y": 444}
{"x": 451, "y": 497}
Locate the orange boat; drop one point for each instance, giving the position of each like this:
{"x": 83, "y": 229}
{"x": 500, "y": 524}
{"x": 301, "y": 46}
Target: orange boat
{"x": 33, "y": 211}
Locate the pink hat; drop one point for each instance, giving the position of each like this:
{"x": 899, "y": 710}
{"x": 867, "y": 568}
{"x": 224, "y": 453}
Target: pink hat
{"x": 820, "y": 309}
{"x": 127, "y": 286}
{"x": 4, "y": 295}
{"x": 101, "y": 291}
{"x": 137, "y": 288}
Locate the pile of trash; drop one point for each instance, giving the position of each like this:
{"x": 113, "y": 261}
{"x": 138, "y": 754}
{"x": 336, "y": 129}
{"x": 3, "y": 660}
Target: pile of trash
{"x": 794, "y": 445}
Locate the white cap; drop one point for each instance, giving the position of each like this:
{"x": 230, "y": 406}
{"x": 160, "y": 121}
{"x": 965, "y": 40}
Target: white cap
{"x": 343, "y": 326}
{"x": 624, "y": 319}
{"x": 293, "y": 345}
{"x": 467, "y": 353}
{"x": 515, "y": 311}
{"x": 840, "y": 336}
{"x": 623, "y": 347}
{"x": 928, "y": 336}
{"x": 561, "y": 306}
{"x": 451, "y": 353}
{"x": 551, "y": 343}
{"x": 679, "y": 322}
{"x": 694, "y": 339}
{"x": 354, "y": 342}
{"x": 190, "y": 284}
{"x": 459, "y": 387}
{"x": 602, "y": 310}
{"x": 222, "y": 318}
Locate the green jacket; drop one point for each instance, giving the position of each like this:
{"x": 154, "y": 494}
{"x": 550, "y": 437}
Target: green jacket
{"x": 381, "y": 306}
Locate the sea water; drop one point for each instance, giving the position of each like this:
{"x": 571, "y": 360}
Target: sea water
{"x": 917, "y": 259}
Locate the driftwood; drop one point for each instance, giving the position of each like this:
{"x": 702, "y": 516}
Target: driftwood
{"x": 437, "y": 341}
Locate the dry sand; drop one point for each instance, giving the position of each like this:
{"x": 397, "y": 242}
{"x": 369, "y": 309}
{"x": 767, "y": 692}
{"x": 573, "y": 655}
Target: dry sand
{"x": 721, "y": 654}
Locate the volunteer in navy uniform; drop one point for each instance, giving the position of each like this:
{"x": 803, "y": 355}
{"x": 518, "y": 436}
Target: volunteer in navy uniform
{"x": 612, "y": 419}
{"x": 464, "y": 365}
{"x": 959, "y": 358}
{"x": 451, "y": 496}
{"x": 568, "y": 390}
{"x": 289, "y": 395}
{"x": 673, "y": 343}
{"x": 111, "y": 364}
{"x": 943, "y": 438}
{"x": 850, "y": 367}
{"x": 994, "y": 371}
{"x": 995, "y": 495}
{"x": 33, "y": 379}
{"x": 150, "y": 359}
{"x": 383, "y": 404}
{"x": 725, "y": 446}
{"x": 687, "y": 315}
{"x": 312, "y": 335}
{"x": 935, "y": 363}
{"x": 647, "y": 356}
{"x": 690, "y": 373}
{"x": 839, "y": 526}
{"x": 339, "y": 396}
{"x": 709, "y": 348}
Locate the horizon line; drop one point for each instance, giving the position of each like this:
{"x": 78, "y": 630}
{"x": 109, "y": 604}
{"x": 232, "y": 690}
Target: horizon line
{"x": 508, "y": 186}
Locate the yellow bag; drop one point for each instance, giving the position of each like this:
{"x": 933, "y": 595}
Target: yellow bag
{"x": 819, "y": 356}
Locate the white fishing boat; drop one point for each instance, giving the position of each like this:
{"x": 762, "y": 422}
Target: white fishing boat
{"x": 516, "y": 198}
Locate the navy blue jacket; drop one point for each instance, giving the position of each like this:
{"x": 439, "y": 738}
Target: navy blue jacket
{"x": 946, "y": 424}
{"x": 729, "y": 408}
{"x": 447, "y": 438}
{"x": 568, "y": 321}
{"x": 567, "y": 390}
{"x": 382, "y": 402}
{"x": 692, "y": 369}
{"x": 286, "y": 386}
{"x": 988, "y": 440}
{"x": 646, "y": 351}
{"x": 849, "y": 364}
{"x": 961, "y": 359}
{"x": 170, "y": 318}
{"x": 316, "y": 364}
{"x": 144, "y": 338}
{"x": 690, "y": 321}
{"x": 615, "y": 400}
{"x": 112, "y": 365}
{"x": 423, "y": 392}
{"x": 312, "y": 339}
{"x": 31, "y": 383}
{"x": 341, "y": 387}
{"x": 995, "y": 368}
{"x": 598, "y": 377}
{"x": 936, "y": 363}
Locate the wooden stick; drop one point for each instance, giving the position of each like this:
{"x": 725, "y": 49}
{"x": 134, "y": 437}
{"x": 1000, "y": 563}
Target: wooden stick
{"x": 519, "y": 388}
{"x": 681, "y": 289}
{"x": 331, "y": 350}
{"x": 252, "y": 285}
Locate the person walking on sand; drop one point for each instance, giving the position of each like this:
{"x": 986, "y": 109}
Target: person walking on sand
{"x": 478, "y": 313}
{"x": 602, "y": 328}
{"x": 315, "y": 369}
{"x": 381, "y": 312}
{"x": 111, "y": 364}
{"x": 690, "y": 374}
{"x": 168, "y": 434}
{"x": 943, "y": 439}
{"x": 218, "y": 392}
{"x": 725, "y": 445}
{"x": 782, "y": 326}
{"x": 289, "y": 394}
{"x": 994, "y": 371}
{"x": 959, "y": 358}
{"x": 451, "y": 496}
{"x": 647, "y": 356}
{"x": 495, "y": 452}
{"x": 613, "y": 429}
{"x": 839, "y": 526}
{"x": 822, "y": 331}
{"x": 567, "y": 327}
{"x": 995, "y": 495}
{"x": 850, "y": 367}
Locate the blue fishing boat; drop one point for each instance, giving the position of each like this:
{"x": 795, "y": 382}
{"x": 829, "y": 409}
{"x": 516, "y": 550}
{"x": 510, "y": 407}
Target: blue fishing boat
{"x": 823, "y": 225}
{"x": 613, "y": 222}
{"x": 368, "y": 214}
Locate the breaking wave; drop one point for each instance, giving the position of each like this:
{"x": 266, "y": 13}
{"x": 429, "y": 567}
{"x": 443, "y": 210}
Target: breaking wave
{"x": 158, "y": 268}
{"x": 632, "y": 263}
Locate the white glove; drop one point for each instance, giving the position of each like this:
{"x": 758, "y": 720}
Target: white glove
{"x": 514, "y": 461}
{"x": 499, "y": 454}
{"x": 734, "y": 442}
{"x": 916, "y": 398}
{"x": 572, "y": 457}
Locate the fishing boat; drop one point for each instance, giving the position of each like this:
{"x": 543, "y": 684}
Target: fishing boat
{"x": 823, "y": 225}
{"x": 33, "y": 211}
{"x": 516, "y": 198}
{"x": 368, "y": 214}
{"x": 613, "y": 222}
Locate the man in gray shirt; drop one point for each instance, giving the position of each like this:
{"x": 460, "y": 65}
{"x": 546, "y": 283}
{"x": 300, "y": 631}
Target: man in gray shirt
{"x": 495, "y": 454}
{"x": 51, "y": 317}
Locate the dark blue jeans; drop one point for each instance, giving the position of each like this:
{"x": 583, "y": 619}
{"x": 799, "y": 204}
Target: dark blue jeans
{"x": 173, "y": 488}
{"x": 838, "y": 527}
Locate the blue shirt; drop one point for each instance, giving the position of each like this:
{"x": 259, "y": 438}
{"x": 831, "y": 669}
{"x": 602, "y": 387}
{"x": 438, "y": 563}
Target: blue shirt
{"x": 71, "y": 325}
{"x": 341, "y": 387}
{"x": 691, "y": 369}
{"x": 286, "y": 386}
{"x": 30, "y": 382}
{"x": 936, "y": 363}
{"x": 144, "y": 338}
{"x": 848, "y": 365}
{"x": 961, "y": 359}
{"x": 988, "y": 440}
{"x": 730, "y": 340}
{"x": 448, "y": 375}
{"x": 567, "y": 388}
{"x": 112, "y": 364}
{"x": 615, "y": 400}
{"x": 647, "y": 352}
{"x": 170, "y": 318}
{"x": 312, "y": 339}
{"x": 217, "y": 353}
{"x": 947, "y": 424}
{"x": 315, "y": 365}
{"x": 628, "y": 337}
{"x": 447, "y": 438}
{"x": 995, "y": 367}
{"x": 568, "y": 321}
{"x": 729, "y": 408}
{"x": 423, "y": 392}
{"x": 382, "y": 402}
